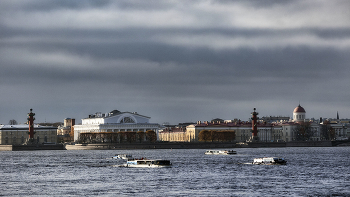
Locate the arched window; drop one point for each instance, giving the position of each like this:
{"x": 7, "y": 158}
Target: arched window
{"x": 127, "y": 120}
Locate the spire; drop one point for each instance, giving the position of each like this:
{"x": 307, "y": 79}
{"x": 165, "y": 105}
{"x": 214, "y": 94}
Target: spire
{"x": 337, "y": 116}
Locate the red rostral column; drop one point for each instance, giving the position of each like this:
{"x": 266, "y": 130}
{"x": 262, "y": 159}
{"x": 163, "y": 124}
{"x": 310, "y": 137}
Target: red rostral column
{"x": 31, "y": 124}
{"x": 255, "y": 124}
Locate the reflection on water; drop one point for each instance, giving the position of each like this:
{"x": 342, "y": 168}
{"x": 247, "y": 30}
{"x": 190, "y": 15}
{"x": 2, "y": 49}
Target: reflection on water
{"x": 309, "y": 172}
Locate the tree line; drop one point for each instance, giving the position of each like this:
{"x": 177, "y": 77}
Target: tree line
{"x": 304, "y": 132}
{"x": 118, "y": 137}
{"x": 217, "y": 136}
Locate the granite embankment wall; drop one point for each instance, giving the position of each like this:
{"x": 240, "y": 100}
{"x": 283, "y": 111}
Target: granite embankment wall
{"x": 5, "y": 147}
{"x": 150, "y": 146}
{"x": 290, "y": 144}
{"x": 202, "y": 145}
{"x": 170, "y": 145}
{"x": 309, "y": 144}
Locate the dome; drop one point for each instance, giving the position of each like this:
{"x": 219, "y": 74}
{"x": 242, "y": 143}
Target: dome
{"x": 299, "y": 109}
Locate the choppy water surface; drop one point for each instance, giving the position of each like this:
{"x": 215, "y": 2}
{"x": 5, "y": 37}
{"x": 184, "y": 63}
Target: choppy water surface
{"x": 309, "y": 172}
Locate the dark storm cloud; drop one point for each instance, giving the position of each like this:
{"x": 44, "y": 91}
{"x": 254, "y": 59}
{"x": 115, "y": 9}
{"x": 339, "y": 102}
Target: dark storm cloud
{"x": 49, "y": 5}
{"x": 197, "y": 60}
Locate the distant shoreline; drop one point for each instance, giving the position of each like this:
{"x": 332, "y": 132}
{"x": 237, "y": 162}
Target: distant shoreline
{"x": 173, "y": 145}
{"x": 196, "y": 145}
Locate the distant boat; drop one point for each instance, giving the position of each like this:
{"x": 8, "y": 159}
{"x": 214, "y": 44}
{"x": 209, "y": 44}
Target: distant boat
{"x": 220, "y": 152}
{"x": 147, "y": 163}
{"x": 270, "y": 161}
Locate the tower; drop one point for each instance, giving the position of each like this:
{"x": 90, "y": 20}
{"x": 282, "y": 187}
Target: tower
{"x": 254, "y": 126}
{"x": 299, "y": 114}
{"x": 31, "y": 125}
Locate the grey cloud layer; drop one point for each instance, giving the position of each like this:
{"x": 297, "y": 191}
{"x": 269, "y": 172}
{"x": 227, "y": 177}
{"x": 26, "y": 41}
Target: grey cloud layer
{"x": 182, "y": 55}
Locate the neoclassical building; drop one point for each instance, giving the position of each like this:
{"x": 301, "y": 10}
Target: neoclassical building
{"x": 172, "y": 135}
{"x": 113, "y": 122}
{"x": 242, "y": 129}
{"x": 18, "y": 134}
{"x": 65, "y": 132}
{"x": 284, "y": 130}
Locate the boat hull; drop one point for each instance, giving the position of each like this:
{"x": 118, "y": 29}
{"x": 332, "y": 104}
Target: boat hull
{"x": 148, "y": 163}
{"x": 220, "y": 152}
{"x": 259, "y": 163}
{"x": 269, "y": 161}
{"x": 146, "y": 166}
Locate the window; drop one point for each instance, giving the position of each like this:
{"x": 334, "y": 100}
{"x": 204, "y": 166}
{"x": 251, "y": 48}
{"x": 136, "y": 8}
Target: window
{"x": 127, "y": 120}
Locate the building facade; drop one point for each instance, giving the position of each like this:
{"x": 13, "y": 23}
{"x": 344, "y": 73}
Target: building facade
{"x": 18, "y": 134}
{"x": 113, "y": 122}
{"x": 172, "y": 135}
{"x": 65, "y": 133}
{"x": 242, "y": 129}
{"x": 270, "y": 129}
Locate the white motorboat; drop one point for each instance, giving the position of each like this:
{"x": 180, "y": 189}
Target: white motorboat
{"x": 270, "y": 161}
{"x": 220, "y": 152}
{"x": 147, "y": 163}
{"x": 122, "y": 156}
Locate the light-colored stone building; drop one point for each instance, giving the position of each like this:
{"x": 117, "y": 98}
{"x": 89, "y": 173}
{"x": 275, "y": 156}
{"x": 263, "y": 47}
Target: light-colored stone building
{"x": 243, "y": 130}
{"x": 269, "y": 129}
{"x": 65, "y": 133}
{"x": 18, "y": 134}
{"x": 114, "y": 122}
{"x": 172, "y": 135}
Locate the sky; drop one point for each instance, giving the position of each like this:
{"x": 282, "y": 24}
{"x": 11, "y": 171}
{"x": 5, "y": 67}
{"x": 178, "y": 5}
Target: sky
{"x": 174, "y": 60}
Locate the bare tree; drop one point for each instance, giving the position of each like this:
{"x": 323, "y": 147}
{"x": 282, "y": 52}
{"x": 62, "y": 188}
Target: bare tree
{"x": 151, "y": 136}
{"x": 140, "y": 136}
{"x": 327, "y": 132}
{"x": 13, "y": 122}
{"x": 304, "y": 132}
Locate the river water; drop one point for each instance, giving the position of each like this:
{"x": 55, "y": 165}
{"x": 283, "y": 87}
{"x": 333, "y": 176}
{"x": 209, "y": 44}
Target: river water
{"x": 309, "y": 172}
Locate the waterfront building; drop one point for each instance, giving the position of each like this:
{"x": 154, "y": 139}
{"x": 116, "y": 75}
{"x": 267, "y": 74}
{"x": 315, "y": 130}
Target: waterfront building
{"x": 299, "y": 128}
{"x": 172, "y": 134}
{"x": 242, "y": 129}
{"x": 275, "y": 119}
{"x": 270, "y": 129}
{"x": 339, "y": 129}
{"x": 291, "y": 131}
{"x": 113, "y": 122}
{"x": 65, "y": 133}
{"x": 18, "y": 134}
